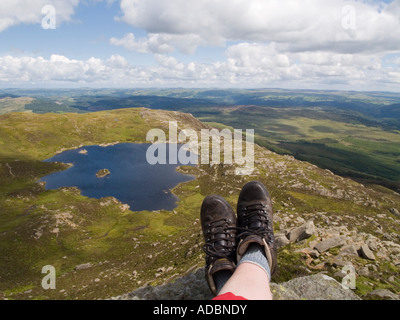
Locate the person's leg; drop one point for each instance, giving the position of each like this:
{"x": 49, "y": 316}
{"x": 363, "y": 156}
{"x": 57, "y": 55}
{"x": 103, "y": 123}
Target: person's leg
{"x": 256, "y": 251}
{"x": 249, "y": 281}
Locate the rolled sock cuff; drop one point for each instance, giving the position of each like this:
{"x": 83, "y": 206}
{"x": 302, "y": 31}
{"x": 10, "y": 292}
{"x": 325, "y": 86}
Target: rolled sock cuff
{"x": 255, "y": 255}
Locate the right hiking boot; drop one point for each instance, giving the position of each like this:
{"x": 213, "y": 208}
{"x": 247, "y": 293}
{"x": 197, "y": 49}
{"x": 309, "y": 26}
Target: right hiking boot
{"x": 218, "y": 222}
{"x": 255, "y": 222}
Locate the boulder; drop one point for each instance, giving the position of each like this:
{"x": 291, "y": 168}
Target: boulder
{"x": 381, "y": 294}
{"x": 395, "y": 212}
{"x": 315, "y": 287}
{"x": 194, "y": 287}
{"x": 281, "y": 240}
{"x": 366, "y": 252}
{"x": 303, "y": 232}
{"x": 190, "y": 287}
{"x": 327, "y": 244}
{"x": 349, "y": 250}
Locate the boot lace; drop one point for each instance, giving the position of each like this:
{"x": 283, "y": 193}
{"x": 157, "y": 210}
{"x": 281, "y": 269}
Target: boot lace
{"x": 220, "y": 242}
{"x": 255, "y": 220}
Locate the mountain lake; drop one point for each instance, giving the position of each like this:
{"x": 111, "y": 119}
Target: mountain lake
{"x": 121, "y": 171}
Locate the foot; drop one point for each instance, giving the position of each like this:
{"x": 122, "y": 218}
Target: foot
{"x": 218, "y": 222}
{"x": 255, "y": 216}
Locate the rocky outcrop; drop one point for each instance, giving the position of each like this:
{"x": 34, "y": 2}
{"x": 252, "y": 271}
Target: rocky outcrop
{"x": 103, "y": 173}
{"x": 381, "y": 294}
{"x": 190, "y": 287}
{"x": 194, "y": 287}
{"x": 316, "y": 287}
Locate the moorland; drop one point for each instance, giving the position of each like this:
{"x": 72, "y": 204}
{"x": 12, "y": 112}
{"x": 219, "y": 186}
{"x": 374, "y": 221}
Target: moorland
{"x": 102, "y": 249}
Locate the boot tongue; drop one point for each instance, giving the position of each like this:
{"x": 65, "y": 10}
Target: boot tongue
{"x": 222, "y": 264}
{"x": 221, "y": 242}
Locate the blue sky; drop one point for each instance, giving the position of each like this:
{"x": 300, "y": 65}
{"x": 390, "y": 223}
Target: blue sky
{"x": 318, "y": 44}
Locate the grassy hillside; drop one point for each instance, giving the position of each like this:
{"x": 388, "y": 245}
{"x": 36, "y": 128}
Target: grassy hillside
{"x": 348, "y": 146}
{"x": 123, "y": 250}
{"x": 354, "y": 134}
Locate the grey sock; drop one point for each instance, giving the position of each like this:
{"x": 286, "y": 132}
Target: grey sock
{"x": 256, "y": 255}
{"x": 220, "y": 278}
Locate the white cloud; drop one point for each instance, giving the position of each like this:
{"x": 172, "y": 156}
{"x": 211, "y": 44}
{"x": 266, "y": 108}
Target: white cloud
{"x": 15, "y": 12}
{"x": 152, "y": 44}
{"x": 295, "y": 25}
{"x": 246, "y": 65}
{"x": 279, "y": 43}
{"x": 19, "y": 70}
{"x": 159, "y": 43}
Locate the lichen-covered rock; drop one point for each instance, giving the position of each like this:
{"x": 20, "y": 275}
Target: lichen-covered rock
{"x": 319, "y": 287}
{"x": 381, "y": 294}
{"x": 194, "y": 287}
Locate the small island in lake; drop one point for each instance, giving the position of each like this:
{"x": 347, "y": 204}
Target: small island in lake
{"x": 103, "y": 173}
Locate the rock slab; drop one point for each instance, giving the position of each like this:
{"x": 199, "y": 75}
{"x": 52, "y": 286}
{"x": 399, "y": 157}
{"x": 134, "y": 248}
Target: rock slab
{"x": 331, "y": 243}
{"x": 194, "y": 287}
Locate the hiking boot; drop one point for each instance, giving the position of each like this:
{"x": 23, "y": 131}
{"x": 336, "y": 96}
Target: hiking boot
{"x": 218, "y": 222}
{"x": 254, "y": 214}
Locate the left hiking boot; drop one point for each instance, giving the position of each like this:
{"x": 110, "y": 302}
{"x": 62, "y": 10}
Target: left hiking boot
{"x": 255, "y": 222}
{"x": 218, "y": 222}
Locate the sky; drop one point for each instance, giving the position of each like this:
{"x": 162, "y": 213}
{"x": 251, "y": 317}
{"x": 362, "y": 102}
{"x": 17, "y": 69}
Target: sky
{"x": 292, "y": 44}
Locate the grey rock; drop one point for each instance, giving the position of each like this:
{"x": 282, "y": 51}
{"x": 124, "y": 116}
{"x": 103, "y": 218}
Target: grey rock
{"x": 280, "y": 292}
{"x": 381, "y": 294}
{"x": 194, "y": 287}
{"x": 372, "y": 244}
{"x": 303, "y": 232}
{"x": 337, "y": 262}
{"x": 366, "y": 252}
{"x": 314, "y": 254}
{"x": 327, "y": 244}
{"x": 320, "y": 287}
{"x": 190, "y": 287}
{"x": 281, "y": 240}
{"x": 350, "y": 250}
{"x": 364, "y": 272}
{"x": 340, "y": 274}
{"x": 83, "y": 266}
{"x": 395, "y": 212}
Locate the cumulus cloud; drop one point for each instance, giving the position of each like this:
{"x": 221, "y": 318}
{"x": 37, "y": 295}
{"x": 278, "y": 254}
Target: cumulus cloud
{"x": 15, "y": 12}
{"x": 159, "y": 43}
{"x": 280, "y": 43}
{"x": 246, "y": 64}
{"x": 60, "y": 69}
{"x": 296, "y": 25}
